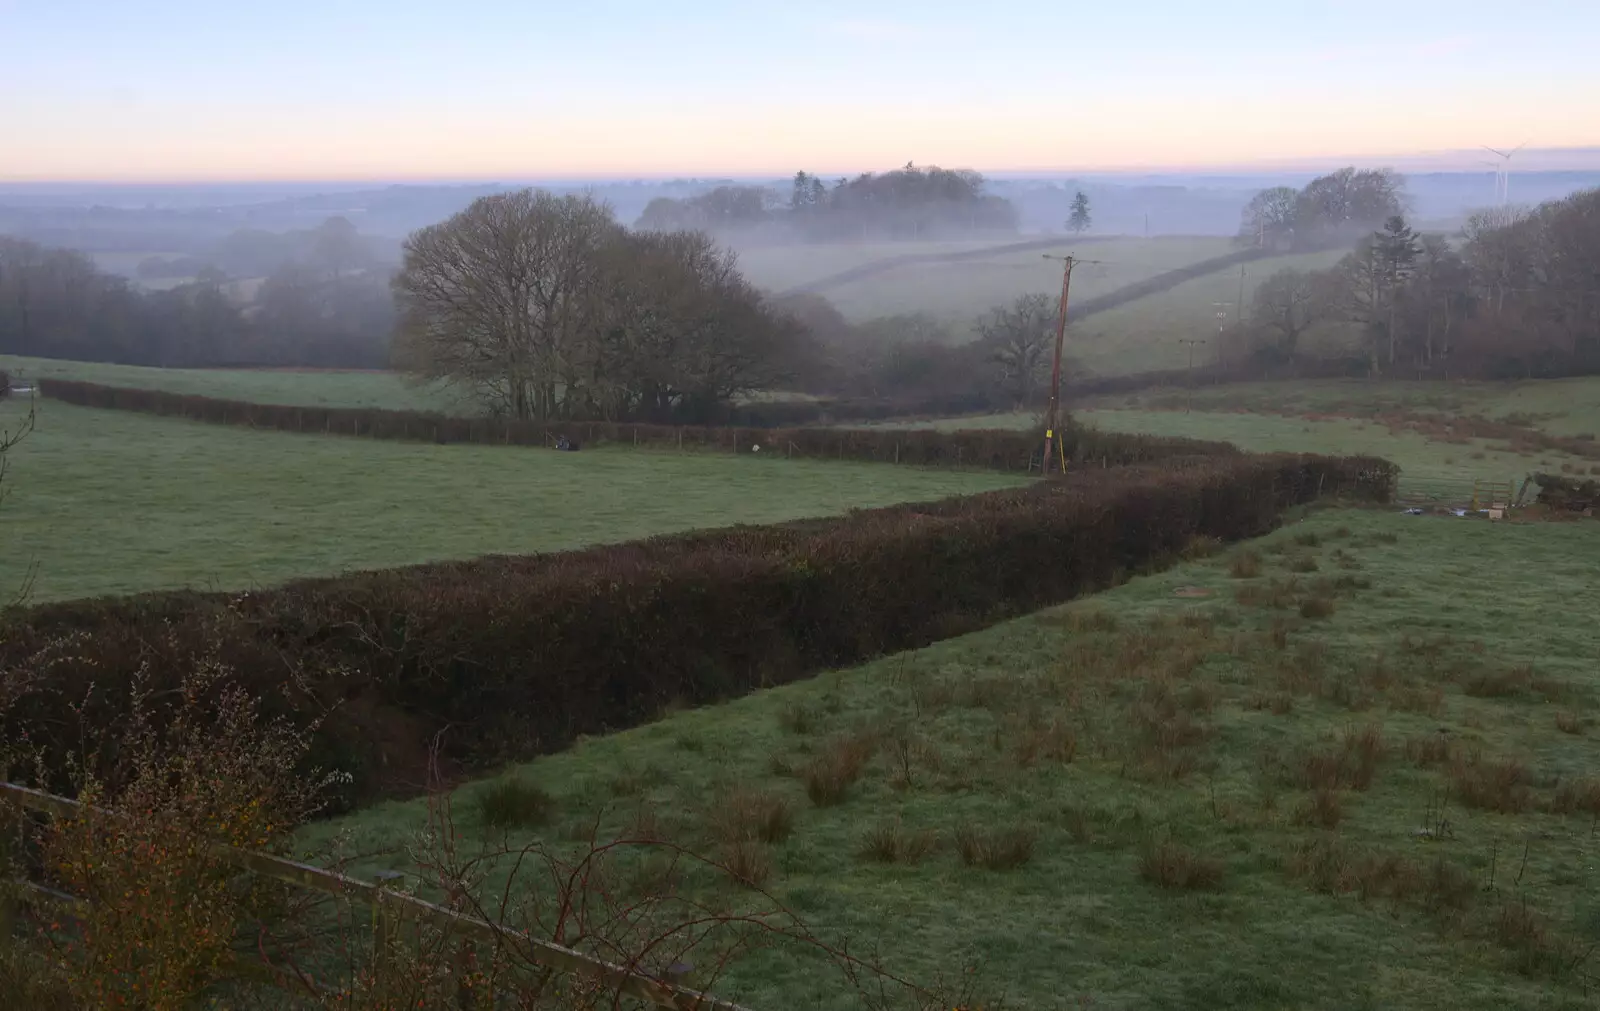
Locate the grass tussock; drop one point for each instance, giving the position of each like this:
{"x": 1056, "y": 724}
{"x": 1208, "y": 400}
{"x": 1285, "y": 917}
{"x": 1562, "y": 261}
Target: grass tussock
{"x": 514, "y": 803}
{"x": 1245, "y": 564}
{"x": 1035, "y": 740}
{"x": 829, "y": 775}
{"x": 1322, "y": 810}
{"x": 1577, "y": 796}
{"x": 1431, "y": 750}
{"x": 1176, "y": 867}
{"x": 798, "y": 718}
{"x": 1304, "y": 564}
{"x": 747, "y": 861}
{"x": 1317, "y": 608}
{"x": 1351, "y": 762}
{"x": 749, "y": 813}
{"x": 892, "y": 843}
{"x": 1569, "y": 722}
{"x": 1330, "y": 866}
{"x": 1498, "y": 684}
{"x": 997, "y": 849}
{"x": 1491, "y": 784}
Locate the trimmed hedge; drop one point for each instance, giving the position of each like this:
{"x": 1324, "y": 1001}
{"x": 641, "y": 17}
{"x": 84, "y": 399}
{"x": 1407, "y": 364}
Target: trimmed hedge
{"x": 996, "y": 449}
{"x": 507, "y": 657}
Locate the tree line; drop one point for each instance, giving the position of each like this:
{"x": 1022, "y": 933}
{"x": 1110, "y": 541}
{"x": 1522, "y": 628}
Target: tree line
{"x": 907, "y": 203}
{"x": 328, "y": 308}
{"x": 1516, "y": 293}
{"x": 1330, "y": 211}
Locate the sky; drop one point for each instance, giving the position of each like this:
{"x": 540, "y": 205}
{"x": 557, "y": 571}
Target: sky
{"x": 183, "y": 90}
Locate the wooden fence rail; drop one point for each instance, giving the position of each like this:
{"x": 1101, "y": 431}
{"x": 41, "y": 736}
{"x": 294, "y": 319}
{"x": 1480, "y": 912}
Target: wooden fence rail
{"x": 400, "y": 908}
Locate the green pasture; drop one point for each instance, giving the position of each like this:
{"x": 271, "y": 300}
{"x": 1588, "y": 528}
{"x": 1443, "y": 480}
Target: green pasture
{"x": 111, "y": 502}
{"x": 1349, "y": 766}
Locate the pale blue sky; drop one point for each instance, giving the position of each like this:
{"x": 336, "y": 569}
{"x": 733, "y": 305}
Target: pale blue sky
{"x": 144, "y": 89}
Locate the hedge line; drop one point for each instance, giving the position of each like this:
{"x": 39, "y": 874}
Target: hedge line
{"x": 997, "y": 449}
{"x": 506, "y": 657}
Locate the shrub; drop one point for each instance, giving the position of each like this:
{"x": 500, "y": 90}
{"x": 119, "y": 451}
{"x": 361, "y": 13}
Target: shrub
{"x": 1173, "y": 866}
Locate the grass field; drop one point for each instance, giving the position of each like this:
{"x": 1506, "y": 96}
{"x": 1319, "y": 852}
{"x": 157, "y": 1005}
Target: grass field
{"x": 1347, "y": 767}
{"x": 1137, "y": 337}
{"x": 1144, "y": 335}
{"x": 1564, "y": 407}
{"x": 108, "y": 502}
{"x": 960, "y": 291}
{"x": 779, "y": 268}
{"x": 1339, "y": 417}
{"x": 309, "y": 388}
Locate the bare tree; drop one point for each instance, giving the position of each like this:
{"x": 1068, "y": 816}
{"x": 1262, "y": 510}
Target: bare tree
{"x": 1289, "y": 303}
{"x": 495, "y": 297}
{"x": 1268, "y": 221}
{"x": 1019, "y": 338}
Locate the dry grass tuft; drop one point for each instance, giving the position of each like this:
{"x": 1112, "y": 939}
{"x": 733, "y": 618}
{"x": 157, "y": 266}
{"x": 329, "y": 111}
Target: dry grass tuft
{"x": 1497, "y": 684}
{"x": 1321, "y": 809}
{"x": 1034, "y": 739}
{"x": 514, "y": 803}
{"x": 1091, "y": 619}
{"x": 1352, "y": 762}
{"x": 1173, "y": 866}
{"x": 1245, "y": 564}
{"x": 830, "y": 774}
{"x": 1315, "y": 608}
{"x": 891, "y": 843}
{"x": 798, "y": 718}
{"x": 1431, "y": 750}
{"x": 1577, "y": 796}
{"x": 1491, "y": 784}
{"x": 750, "y": 813}
{"x": 999, "y": 849}
{"x": 748, "y": 861}
{"x": 1570, "y": 723}
{"x": 1304, "y": 563}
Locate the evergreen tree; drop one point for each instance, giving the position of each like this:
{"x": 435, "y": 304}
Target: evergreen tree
{"x": 1080, "y": 220}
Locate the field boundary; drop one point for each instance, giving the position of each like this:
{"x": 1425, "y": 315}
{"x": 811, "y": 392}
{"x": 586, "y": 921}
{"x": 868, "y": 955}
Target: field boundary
{"x": 504, "y": 658}
{"x": 397, "y": 906}
{"x": 999, "y": 449}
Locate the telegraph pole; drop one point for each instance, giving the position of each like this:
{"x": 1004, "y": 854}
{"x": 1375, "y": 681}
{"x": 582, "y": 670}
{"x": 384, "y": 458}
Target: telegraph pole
{"x": 1240, "y": 303}
{"x": 1053, "y": 412}
{"x": 1189, "y": 376}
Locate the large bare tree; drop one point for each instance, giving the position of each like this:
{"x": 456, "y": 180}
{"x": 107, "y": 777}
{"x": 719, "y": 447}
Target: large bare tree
{"x": 497, "y": 296}
{"x": 548, "y": 308}
{"x": 1019, "y": 336}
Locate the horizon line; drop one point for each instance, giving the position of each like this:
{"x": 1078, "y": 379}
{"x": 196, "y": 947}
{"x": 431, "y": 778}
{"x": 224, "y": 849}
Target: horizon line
{"x": 1283, "y": 165}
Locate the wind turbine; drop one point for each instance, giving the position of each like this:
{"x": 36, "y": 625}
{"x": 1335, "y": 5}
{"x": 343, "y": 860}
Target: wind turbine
{"x": 1503, "y": 173}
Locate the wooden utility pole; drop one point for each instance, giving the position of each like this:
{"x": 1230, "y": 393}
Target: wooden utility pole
{"x": 1239, "y": 305}
{"x": 1053, "y": 412}
{"x": 1189, "y": 377}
